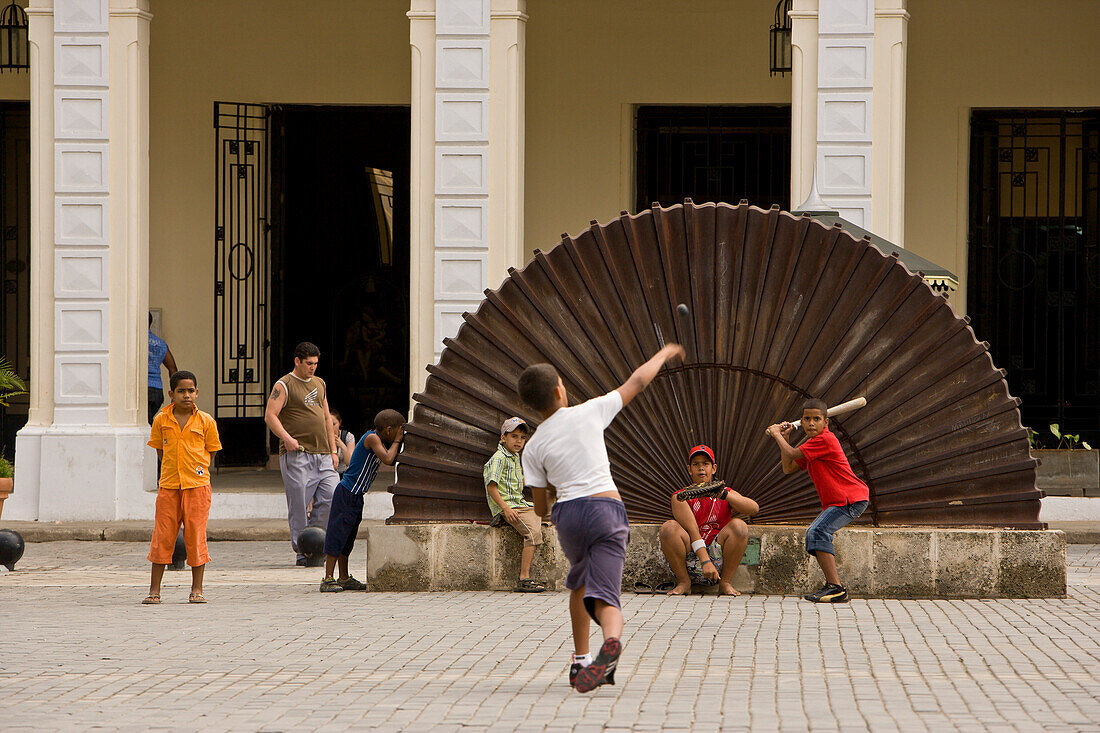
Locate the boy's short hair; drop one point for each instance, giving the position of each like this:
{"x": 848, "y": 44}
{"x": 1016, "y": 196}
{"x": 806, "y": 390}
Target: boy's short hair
{"x": 305, "y": 350}
{"x": 536, "y": 386}
{"x": 182, "y": 374}
{"x": 816, "y": 405}
{"x": 388, "y": 419}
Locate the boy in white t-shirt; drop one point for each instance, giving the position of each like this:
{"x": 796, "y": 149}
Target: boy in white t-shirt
{"x": 567, "y": 452}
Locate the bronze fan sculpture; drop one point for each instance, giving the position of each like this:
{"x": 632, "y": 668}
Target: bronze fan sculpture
{"x": 782, "y": 309}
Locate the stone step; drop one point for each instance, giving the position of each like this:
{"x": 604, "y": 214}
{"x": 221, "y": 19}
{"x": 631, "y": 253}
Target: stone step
{"x": 875, "y": 562}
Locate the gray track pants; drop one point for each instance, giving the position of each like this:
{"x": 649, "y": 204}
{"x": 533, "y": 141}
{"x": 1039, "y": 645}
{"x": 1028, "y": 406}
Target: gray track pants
{"x": 307, "y": 477}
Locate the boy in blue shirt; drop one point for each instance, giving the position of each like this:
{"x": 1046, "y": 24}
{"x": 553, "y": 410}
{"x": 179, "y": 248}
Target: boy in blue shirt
{"x": 346, "y": 512}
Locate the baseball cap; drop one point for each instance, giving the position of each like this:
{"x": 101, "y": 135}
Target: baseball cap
{"x": 701, "y": 449}
{"x": 511, "y": 424}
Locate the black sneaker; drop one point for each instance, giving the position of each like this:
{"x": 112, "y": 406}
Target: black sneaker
{"x": 602, "y": 669}
{"x": 817, "y": 593}
{"x": 829, "y": 594}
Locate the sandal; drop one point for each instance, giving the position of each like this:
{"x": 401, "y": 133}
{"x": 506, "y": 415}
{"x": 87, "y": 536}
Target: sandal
{"x": 151, "y": 600}
{"x": 527, "y": 585}
{"x": 644, "y": 589}
{"x": 196, "y": 598}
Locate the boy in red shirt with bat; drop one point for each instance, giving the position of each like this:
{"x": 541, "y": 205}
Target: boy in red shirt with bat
{"x": 843, "y": 496}
{"x": 704, "y": 542}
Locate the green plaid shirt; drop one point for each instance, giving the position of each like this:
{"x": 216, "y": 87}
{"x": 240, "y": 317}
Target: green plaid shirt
{"x": 504, "y": 469}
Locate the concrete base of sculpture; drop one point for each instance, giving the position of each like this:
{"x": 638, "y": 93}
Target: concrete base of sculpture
{"x": 874, "y": 562}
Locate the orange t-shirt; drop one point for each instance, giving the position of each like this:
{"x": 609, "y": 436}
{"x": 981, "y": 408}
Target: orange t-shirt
{"x": 186, "y": 453}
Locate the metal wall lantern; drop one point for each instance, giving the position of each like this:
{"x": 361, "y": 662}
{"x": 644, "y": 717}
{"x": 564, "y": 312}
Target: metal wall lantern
{"x": 781, "y": 39}
{"x": 14, "y": 47}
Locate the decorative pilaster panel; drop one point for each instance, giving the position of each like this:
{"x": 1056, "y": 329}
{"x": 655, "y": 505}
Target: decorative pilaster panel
{"x": 888, "y": 179}
{"x": 804, "y": 43}
{"x": 81, "y": 183}
{"x": 462, "y": 70}
{"x": 845, "y": 78}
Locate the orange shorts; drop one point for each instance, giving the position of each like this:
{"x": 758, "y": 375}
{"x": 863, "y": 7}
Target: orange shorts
{"x": 189, "y": 507}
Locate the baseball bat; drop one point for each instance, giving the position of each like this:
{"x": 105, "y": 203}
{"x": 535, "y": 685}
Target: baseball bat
{"x": 840, "y": 409}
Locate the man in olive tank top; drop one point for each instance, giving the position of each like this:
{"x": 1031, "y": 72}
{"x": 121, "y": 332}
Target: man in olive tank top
{"x": 297, "y": 413}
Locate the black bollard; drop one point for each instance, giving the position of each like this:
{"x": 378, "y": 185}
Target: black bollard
{"x": 11, "y": 548}
{"x": 311, "y": 543}
{"x": 179, "y": 554}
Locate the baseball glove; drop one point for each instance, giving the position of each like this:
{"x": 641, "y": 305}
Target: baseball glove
{"x": 715, "y": 489}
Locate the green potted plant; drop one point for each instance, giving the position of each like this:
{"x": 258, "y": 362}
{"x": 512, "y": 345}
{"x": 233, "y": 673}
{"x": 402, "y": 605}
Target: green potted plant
{"x": 10, "y": 386}
{"x": 1070, "y": 468}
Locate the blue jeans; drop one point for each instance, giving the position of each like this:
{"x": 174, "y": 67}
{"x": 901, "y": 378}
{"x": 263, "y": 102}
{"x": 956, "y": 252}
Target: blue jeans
{"x": 819, "y": 537}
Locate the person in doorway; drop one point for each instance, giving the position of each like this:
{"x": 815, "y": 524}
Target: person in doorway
{"x": 297, "y": 413}
{"x": 159, "y": 355}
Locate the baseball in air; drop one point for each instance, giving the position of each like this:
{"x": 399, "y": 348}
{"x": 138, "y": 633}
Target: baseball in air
{"x": 682, "y": 309}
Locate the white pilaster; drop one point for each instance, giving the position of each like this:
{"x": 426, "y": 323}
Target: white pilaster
{"x": 468, "y": 60}
{"x": 845, "y": 82}
{"x": 803, "y": 97}
{"x": 82, "y": 454}
{"x": 848, "y": 108}
{"x": 888, "y": 143}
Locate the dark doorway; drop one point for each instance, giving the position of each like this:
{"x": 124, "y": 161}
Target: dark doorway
{"x": 340, "y": 248}
{"x": 713, "y": 153}
{"x": 1033, "y": 288}
{"x": 15, "y": 248}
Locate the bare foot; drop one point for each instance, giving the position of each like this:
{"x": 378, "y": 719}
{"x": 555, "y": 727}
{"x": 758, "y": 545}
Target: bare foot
{"x": 727, "y": 589}
{"x": 681, "y": 589}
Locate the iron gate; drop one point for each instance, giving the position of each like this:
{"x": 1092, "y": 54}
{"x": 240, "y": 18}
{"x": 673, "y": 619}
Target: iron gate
{"x": 713, "y": 153}
{"x": 241, "y": 280}
{"x": 1034, "y": 273}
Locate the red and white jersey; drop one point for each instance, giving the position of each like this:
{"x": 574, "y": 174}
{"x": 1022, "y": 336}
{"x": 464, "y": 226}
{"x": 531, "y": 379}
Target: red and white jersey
{"x": 711, "y": 515}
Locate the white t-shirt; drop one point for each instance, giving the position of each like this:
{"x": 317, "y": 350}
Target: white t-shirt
{"x": 567, "y": 450}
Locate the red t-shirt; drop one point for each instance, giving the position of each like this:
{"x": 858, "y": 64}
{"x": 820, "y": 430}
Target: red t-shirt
{"x": 711, "y": 515}
{"x": 832, "y": 475}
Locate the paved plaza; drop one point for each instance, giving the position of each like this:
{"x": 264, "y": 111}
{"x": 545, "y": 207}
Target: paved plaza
{"x": 269, "y": 653}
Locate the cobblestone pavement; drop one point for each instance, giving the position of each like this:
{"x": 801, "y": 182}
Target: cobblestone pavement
{"x": 269, "y": 653}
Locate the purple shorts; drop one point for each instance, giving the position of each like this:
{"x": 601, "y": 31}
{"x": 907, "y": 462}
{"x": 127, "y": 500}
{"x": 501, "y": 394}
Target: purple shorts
{"x": 593, "y": 533}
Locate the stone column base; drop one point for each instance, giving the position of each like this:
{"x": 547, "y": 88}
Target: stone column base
{"x": 71, "y": 473}
{"x": 919, "y": 562}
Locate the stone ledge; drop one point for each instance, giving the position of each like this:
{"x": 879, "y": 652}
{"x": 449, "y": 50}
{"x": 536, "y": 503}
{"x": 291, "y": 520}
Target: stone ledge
{"x": 874, "y": 561}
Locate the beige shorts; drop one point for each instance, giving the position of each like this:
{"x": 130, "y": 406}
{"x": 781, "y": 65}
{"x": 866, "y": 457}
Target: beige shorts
{"x": 529, "y": 526}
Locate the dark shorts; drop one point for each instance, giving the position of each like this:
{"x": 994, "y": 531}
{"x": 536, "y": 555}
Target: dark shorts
{"x": 819, "y": 536}
{"x": 156, "y": 401}
{"x": 344, "y": 517}
{"x": 593, "y": 533}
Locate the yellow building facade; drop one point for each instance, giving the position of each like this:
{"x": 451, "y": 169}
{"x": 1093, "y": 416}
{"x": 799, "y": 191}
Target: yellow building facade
{"x": 188, "y": 157}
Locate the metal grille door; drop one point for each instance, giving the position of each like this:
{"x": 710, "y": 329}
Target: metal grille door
{"x": 15, "y": 258}
{"x": 241, "y": 277}
{"x": 715, "y": 153}
{"x": 1034, "y": 274}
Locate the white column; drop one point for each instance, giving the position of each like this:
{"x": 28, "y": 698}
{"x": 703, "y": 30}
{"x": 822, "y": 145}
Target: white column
{"x": 82, "y": 454}
{"x": 803, "y": 97}
{"x": 888, "y": 142}
{"x": 468, "y": 60}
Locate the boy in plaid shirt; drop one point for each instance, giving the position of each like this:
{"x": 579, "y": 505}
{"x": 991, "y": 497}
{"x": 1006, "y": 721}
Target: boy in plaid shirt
{"x": 503, "y": 476}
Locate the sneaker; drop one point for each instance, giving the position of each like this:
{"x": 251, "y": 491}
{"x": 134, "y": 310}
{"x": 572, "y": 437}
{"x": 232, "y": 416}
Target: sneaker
{"x": 350, "y": 583}
{"x": 602, "y": 669}
{"x": 329, "y": 585}
{"x": 829, "y": 594}
{"x": 574, "y": 670}
{"x": 817, "y": 593}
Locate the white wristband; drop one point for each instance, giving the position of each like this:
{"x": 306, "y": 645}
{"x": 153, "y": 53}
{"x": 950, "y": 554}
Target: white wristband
{"x": 697, "y": 545}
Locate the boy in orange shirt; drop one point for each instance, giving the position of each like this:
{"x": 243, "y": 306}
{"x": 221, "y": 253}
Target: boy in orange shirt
{"x": 186, "y": 439}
